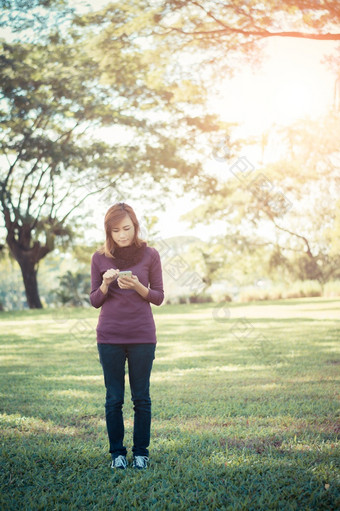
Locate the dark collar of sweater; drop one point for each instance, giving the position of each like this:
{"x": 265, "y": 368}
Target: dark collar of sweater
{"x": 125, "y": 257}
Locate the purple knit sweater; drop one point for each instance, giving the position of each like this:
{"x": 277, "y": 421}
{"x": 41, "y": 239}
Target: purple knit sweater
{"x": 125, "y": 316}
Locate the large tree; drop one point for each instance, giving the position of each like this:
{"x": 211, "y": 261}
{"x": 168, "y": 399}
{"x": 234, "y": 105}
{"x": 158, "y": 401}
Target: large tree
{"x": 64, "y": 76}
{"x": 57, "y": 90}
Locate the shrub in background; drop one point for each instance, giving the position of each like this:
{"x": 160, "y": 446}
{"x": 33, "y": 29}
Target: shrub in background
{"x": 332, "y": 288}
{"x": 74, "y": 289}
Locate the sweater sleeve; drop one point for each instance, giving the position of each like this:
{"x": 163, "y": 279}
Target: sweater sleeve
{"x": 156, "y": 291}
{"x": 97, "y": 297}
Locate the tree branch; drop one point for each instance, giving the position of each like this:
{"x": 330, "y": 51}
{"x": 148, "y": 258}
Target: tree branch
{"x": 29, "y": 201}
{"x": 85, "y": 197}
{"x": 303, "y": 238}
{"x": 53, "y": 194}
{"x": 33, "y": 169}
{"x": 39, "y": 211}
{"x": 261, "y": 33}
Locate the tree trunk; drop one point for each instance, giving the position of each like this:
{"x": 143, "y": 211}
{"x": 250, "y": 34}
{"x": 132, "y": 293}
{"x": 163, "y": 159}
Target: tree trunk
{"x": 27, "y": 256}
{"x": 29, "y": 274}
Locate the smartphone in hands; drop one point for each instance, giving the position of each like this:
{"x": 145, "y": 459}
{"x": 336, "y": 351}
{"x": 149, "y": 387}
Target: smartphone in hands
{"x": 123, "y": 274}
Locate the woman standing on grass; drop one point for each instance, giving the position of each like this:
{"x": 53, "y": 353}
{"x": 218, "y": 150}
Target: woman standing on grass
{"x": 126, "y": 327}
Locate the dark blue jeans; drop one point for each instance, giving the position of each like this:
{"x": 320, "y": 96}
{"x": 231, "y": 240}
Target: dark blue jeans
{"x": 140, "y": 358}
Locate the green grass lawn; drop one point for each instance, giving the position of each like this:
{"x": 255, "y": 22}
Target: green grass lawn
{"x": 245, "y": 411}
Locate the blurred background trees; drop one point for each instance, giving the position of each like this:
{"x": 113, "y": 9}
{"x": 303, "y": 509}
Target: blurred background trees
{"x": 58, "y": 91}
{"x": 112, "y": 105}
{"x": 287, "y": 210}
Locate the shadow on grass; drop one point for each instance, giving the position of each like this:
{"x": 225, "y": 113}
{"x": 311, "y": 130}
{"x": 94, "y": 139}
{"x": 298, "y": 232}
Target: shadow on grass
{"x": 233, "y": 428}
{"x": 188, "y": 470}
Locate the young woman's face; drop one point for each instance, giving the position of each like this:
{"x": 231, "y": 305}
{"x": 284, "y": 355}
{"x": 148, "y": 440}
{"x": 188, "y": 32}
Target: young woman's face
{"x": 123, "y": 233}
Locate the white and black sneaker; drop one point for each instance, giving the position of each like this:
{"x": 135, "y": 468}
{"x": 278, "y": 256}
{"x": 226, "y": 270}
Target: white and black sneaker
{"x": 140, "y": 462}
{"x": 119, "y": 462}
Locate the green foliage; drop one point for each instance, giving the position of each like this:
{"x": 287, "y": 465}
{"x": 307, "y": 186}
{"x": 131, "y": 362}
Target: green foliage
{"x": 74, "y": 289}
{"x": 25, "y": 17}
{"x": 236, "y": 425}
{"x": 58, "y": 91}
{"x": 65, "y": 76}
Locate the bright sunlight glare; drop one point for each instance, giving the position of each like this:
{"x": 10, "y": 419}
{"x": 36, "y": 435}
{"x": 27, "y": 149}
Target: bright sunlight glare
{"x": 291, "y": 83}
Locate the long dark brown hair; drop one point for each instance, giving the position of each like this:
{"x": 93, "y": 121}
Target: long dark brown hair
{"x": 113, "y": 217}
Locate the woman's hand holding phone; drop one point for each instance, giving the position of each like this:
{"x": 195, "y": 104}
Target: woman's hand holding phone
{"x": 126, "y": 280}
{"x": 109, "y": 276}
